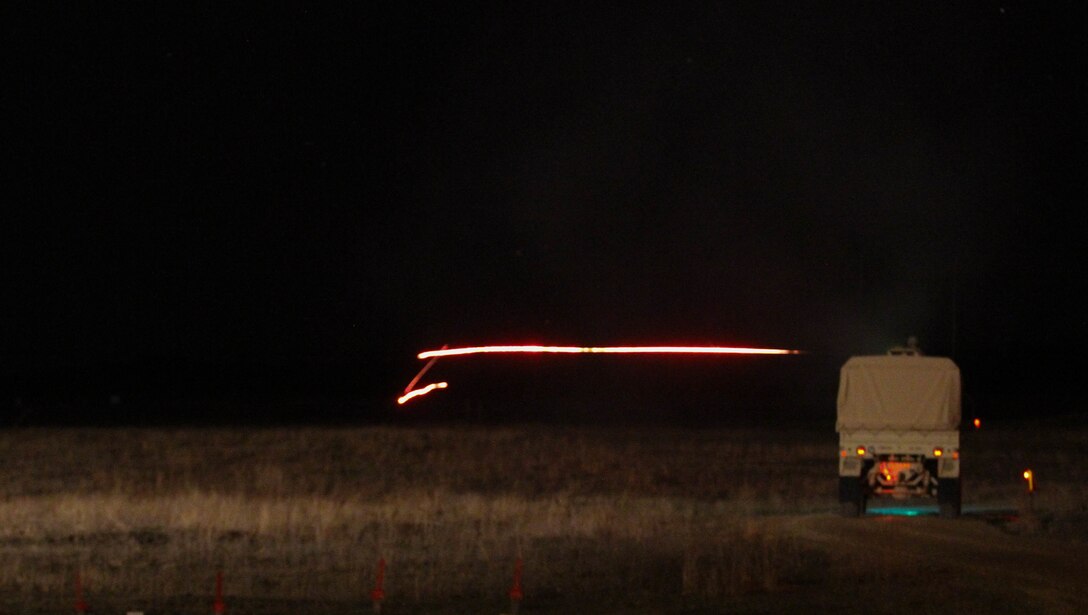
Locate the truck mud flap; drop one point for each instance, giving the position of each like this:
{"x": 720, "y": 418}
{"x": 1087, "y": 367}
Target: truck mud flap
{"x": 852, "y": 496}
{"x": 949, "y": 497}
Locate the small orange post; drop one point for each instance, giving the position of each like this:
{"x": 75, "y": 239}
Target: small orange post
{"x": 1028, "y": 511}
{"x": 378, "y": 593}
{"x": 219, "y": 607}
{"x": 81, "y": 604}
{"x": 516, "y": 593}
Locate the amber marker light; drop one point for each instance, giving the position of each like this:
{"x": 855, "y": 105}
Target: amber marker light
{"x": 977, "y": 423}
{"x": 937, "y": 452}
{"x": 1030, "y": 477}
{"x": 861, "y": 451}
{"x": 422, "y": 391}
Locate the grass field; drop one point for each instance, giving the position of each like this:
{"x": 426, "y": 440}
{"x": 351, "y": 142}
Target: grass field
{"x": 616, "y": 520}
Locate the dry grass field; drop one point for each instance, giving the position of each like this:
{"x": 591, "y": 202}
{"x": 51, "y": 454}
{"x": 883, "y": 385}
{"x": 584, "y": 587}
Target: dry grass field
{"x": 606, "y": 520}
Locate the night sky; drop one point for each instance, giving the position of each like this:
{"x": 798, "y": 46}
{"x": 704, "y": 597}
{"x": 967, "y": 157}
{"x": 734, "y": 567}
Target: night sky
{"x": 217, "y": 206}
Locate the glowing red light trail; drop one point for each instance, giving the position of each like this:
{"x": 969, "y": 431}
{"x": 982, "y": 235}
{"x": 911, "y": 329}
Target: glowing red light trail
{"x": 426, "y": 367}
{"x": 445, "y": 351}
{"x": 450, "y": 352}
{"x": 422, "y": 391}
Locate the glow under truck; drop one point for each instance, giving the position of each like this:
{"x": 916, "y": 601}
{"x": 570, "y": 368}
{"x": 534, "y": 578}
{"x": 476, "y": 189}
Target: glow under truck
{"x": 898, "y": 424}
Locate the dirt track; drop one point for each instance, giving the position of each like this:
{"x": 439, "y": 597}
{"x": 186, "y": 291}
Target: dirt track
{"x": 879, "y": 564}
{"x": 990, "y": 555}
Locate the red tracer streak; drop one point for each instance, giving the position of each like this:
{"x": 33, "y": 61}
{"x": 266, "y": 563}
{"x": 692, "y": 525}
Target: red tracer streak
{"x": 422, "y": 391}
{"x": 434, "y": 355}
{"x": 450, "y": 352}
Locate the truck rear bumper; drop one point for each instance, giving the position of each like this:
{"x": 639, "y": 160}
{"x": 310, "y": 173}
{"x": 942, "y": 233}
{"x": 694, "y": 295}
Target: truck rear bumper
{"x": 861, "y": 451}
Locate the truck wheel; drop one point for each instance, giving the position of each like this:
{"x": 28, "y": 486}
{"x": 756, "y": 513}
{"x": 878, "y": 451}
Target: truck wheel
{"x": 851, "y": 497}
{"x": 949, "y": 497}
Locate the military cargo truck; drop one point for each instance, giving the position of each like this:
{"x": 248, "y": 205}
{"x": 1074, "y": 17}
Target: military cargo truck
{"x": 898, "y": 424}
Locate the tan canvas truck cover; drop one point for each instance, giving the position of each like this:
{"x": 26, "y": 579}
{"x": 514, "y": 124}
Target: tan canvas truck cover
{"x": 899, "y": 392}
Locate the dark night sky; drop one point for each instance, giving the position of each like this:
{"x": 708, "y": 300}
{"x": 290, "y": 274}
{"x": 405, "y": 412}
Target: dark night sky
{"x": 290, "y": 203}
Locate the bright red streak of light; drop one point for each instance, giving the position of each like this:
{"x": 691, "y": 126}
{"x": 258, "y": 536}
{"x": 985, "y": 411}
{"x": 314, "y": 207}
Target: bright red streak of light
{"x": 408, "y": 389}
{"x": 450, "y": 352}
{"x": 423, "y": 391}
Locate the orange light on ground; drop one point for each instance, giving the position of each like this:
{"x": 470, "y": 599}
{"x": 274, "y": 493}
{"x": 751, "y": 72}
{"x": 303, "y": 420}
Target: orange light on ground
{"x": 1030, "y": 477}
{"x": 422, "y": 391}
{"x": 978, "y": 424}
{"x": 451, "y": 352}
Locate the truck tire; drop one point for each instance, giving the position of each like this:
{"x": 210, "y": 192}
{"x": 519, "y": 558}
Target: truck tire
{"x": 949, "y": 497}
{"x": 851, "y": 497}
